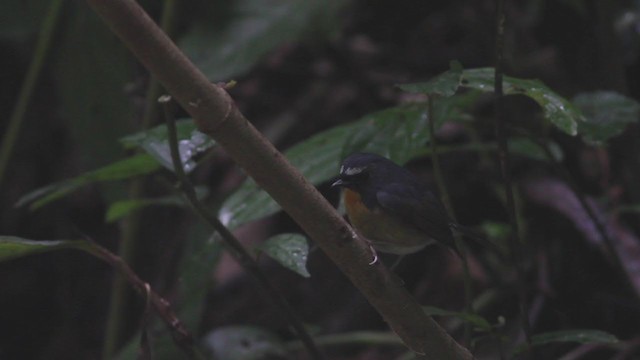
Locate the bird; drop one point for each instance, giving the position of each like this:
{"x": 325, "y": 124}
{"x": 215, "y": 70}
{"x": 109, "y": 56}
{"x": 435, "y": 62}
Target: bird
{"x": 392, "y": 208}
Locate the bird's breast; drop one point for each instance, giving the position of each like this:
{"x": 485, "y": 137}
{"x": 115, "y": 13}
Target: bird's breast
{"x": 387, "y": 232}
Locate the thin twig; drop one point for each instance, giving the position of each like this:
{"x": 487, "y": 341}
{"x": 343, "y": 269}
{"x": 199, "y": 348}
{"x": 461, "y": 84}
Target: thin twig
{"x": 179, "y": 332}
{"x": 238, "y": 251}
{"x": 132, "y": 226}
{"x": 446, "y": 200}
{"x": 515, "y": 246}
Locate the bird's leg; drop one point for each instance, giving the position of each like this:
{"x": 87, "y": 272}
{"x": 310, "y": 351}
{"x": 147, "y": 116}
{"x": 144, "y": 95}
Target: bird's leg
{"x": 374, "y": 253}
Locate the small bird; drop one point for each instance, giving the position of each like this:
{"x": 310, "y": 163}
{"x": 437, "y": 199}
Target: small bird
{"x": 391, "y": 207}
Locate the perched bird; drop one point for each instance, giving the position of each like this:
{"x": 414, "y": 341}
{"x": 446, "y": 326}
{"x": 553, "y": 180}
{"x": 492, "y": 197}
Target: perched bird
{"x": 391, "y": 207}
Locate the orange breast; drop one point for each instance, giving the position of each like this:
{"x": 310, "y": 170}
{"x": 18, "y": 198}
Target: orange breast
{"x": 386, "y": 233}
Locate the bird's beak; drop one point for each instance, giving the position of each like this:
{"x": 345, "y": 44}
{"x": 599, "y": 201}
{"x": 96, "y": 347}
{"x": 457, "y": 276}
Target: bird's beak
{"x": 338, "y": 182}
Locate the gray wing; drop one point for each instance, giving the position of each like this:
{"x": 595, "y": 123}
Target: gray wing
{"x": 422, "y": 210}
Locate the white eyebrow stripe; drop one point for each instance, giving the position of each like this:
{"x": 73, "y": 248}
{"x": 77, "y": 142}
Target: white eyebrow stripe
{"x": 353, "y": 170}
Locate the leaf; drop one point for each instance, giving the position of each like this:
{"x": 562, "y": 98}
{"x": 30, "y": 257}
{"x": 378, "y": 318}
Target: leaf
{"x": 253, "y": 29}
{"x": 155, "y": 142}
{"x": 123, "y": 169}
{"x": 290, "y": 250}
{"x": 398, "y": 132}
{"x": 558, "y": 110}
{"x": 607, "y": 114}
{"x": 580, "y": 336}
{"x": 445, "y": 84}
{"x": 122, "y": 208}
{"x": 528, "y": 148}
{"x": 12, "y": 247}
{"x": 244, "y": 343}
{"x": 476, "y": 320}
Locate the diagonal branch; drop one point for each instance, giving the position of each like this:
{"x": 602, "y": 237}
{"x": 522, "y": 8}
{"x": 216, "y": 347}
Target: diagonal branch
{"x": 239, "y": 253}
{"x": 216, "y": 115}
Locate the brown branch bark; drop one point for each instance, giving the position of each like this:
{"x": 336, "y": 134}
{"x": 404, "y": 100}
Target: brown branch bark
{"x": 216, "y": 115}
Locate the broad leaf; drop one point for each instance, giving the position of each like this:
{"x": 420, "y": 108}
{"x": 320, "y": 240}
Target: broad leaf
{"x": 12, "y": 247}
{"x": 254, "y": 28}
{"x": 290, "y": 250}
{"x": 155, "y": 142}
{"x": 123, "y": 169}
{"x": 445, "y": 84}
{"x": 558, "y": 110}
{"x": 607, "y": 114}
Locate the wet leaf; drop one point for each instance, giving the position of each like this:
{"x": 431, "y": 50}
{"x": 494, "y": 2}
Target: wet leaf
{"x": 290, "y": 250}
{"x": 558, "y": 110}
{"x": 155, "y": 142}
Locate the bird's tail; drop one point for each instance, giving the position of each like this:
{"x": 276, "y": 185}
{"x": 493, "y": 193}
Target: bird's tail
{"x": 473, "y": 235}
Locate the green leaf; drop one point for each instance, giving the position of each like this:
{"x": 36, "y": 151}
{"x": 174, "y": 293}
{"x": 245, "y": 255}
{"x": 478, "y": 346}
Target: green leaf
{"x": 155, "y": 142}
{"x": 252, "y": 30}
{"x": 445, "y": 84}
{"x": 244, "y": 343}
{"x": 398, "y": 133}
{"x": 607, "y": 114}
{"x": 558, "y": 110}
{"x": 123, "y": 169}
{"x": 12, "y": 247}
{"x": 478, "y": 321}
{"x": 290, "y": 250}
{"x": 581, "y": 336}
{"x": 528, "y": 148}
{"x": 122, "y": 208}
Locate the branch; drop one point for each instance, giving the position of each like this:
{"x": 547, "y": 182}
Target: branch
{"x": 179, "y": 332}
{"x": 515, "y": 246}
{"x": 216, "y": 115}
{"x": 238, "y": 252}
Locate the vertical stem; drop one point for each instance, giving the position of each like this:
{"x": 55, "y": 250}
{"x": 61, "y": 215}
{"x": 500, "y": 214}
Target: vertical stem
{"x": 515, "y": 245}
{"x": 132, "y": 225}
{"x": 446, "y": 200}
{"x": 45, "y": 39}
